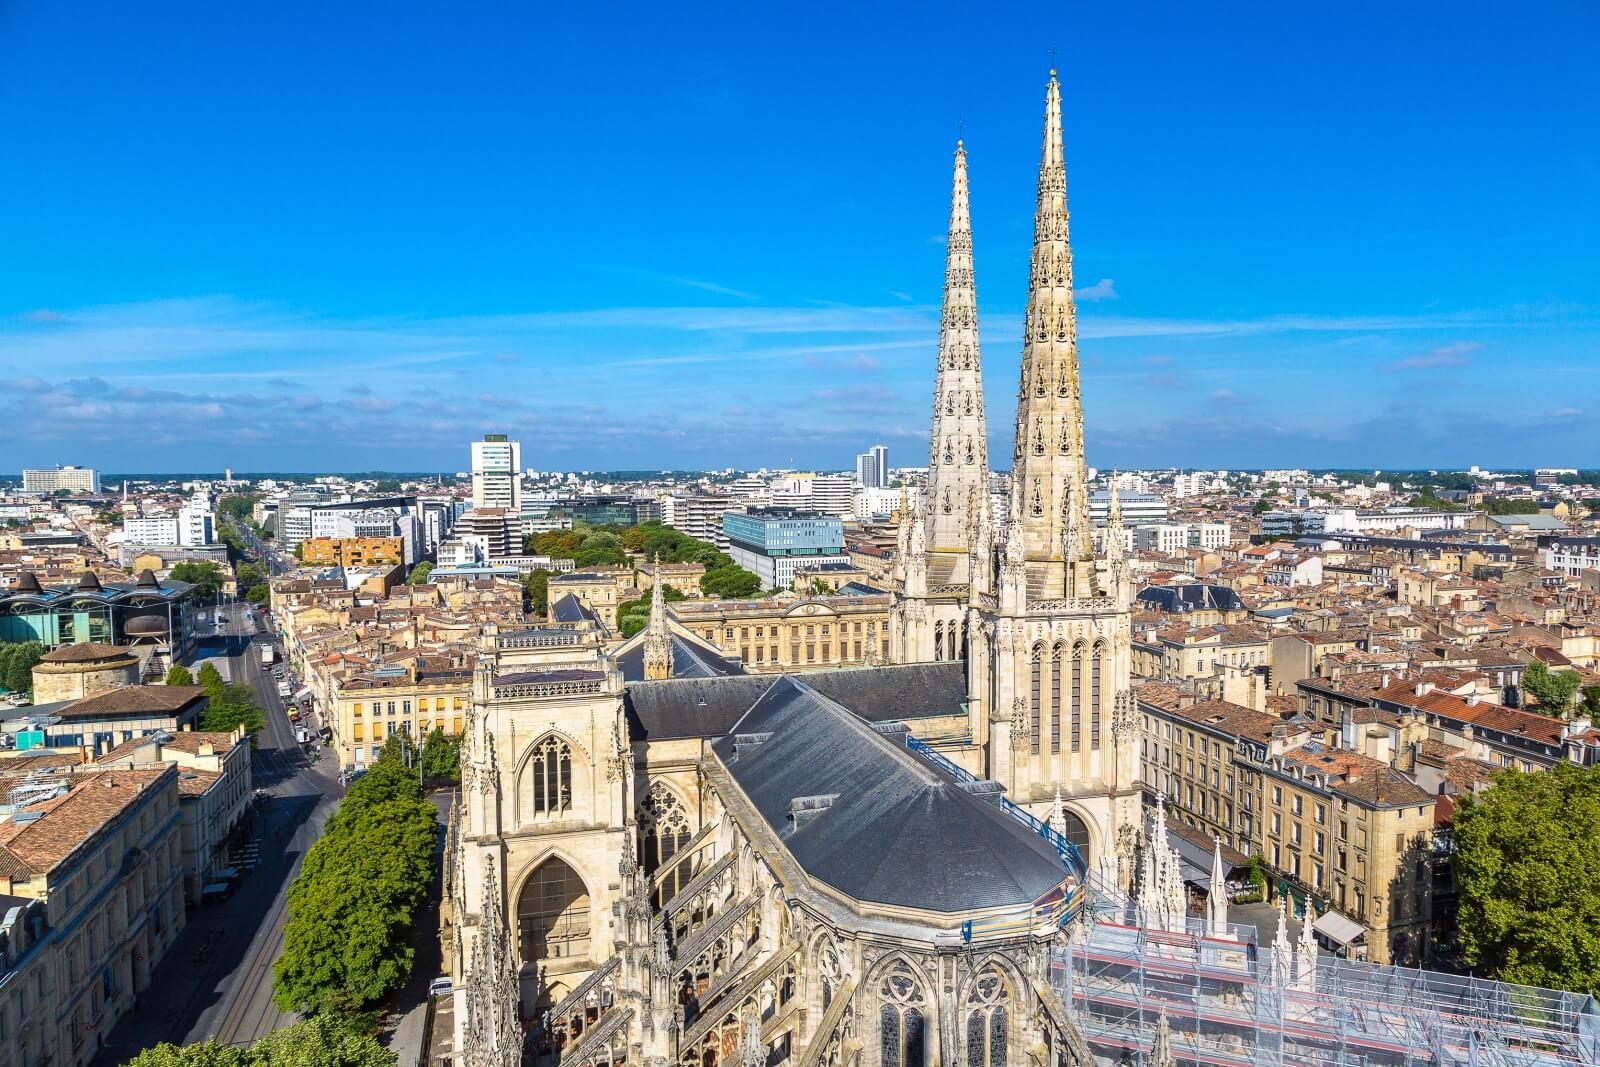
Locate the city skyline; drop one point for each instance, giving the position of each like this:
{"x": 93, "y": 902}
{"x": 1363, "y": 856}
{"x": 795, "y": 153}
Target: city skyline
{"x": 1319, "y": 282}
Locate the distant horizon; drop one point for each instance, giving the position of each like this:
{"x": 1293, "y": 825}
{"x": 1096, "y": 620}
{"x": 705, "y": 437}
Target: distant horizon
{"x": 108, "y": 477}
{"x": 264, "y": 241}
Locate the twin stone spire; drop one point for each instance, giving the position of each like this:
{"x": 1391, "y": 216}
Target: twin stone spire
{"x": 1050, "y": 543}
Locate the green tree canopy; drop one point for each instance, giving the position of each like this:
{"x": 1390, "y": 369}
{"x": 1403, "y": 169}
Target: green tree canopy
{"x": 441, "y": 757}
{"x": 206, "y": 578}
{"x": 347, "y": 942}
{"x": 320, "y": 1041}
{"x": 178, "y": 674}
{"x": 634, "y": 615}
{"x": 419, "y": 573}
{"x": 730, "y": 583}
{"x": 1528, "y": 869}
{"x": 18, "y": 665}
{"x": 536, "y": 585}
{"x": 1554, "y": 690}
{"x": 1499, "y": 506}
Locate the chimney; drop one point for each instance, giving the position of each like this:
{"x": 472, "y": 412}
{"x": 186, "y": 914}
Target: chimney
{"x": 83, "y": 754}
{"x": 1379, "y": 745}
{"x": 1472, "y": 700}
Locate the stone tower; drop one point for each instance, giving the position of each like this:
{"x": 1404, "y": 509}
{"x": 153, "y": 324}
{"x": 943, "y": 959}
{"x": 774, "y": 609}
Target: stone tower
{"x": 1049, "y": 690}
{"x": 946, "y": 535}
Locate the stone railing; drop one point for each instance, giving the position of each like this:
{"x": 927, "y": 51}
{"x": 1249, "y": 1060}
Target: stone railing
{"x": 551, "y": 689}
{"x": 598, "y": 1036}
{"x": 1080, "y": 604}
{"x": 529, "y": 639}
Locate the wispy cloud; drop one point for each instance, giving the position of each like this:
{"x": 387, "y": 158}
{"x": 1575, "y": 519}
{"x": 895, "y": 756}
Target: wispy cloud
{"x": 1104, "y": 289}
{"x": 713, "y": 287}
{"x": 1453, "y": 355}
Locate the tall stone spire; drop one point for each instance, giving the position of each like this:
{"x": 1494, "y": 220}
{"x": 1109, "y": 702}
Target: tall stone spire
{"x": 956, "y": 504}
{"x": 1217, "y": 895}
{"x": 657, "y": 638}
{"x": 1049, "y": 477}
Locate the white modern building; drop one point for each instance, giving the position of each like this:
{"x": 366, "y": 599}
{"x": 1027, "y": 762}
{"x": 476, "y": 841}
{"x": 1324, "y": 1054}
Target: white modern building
{"x": 54, "y": 479}
{"x": 497, "y": 473}
{"x": 1138, "y": 509}
{"x": 151, "y": 530}
{"x": 197, "y": 524}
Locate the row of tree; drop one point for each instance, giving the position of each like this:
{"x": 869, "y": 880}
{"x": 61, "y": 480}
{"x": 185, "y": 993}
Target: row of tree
{"x": 17, "y": 663}
{"x": 595, "y": 546}
{"x": 321, "y": 1041}
{"x": 347, "y": 942}
{"x": 228, "y": 705}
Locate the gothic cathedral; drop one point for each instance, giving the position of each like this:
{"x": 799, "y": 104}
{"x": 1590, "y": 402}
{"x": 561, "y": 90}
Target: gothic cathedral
{"x": 1037, "y": 610}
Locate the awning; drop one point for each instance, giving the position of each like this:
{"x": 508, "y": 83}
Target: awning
{"x": 214, "y": 887}
{"x": 1336, "y": 927}
{"x": 301, "y": 693}
{"x": 225, "y": 874}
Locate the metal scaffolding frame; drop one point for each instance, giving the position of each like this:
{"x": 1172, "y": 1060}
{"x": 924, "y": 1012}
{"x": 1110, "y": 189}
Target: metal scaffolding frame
{"x": 1232, "y": 1003}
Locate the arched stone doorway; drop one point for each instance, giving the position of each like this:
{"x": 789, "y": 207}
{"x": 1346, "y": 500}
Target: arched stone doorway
{"x": 1076, "y": 831}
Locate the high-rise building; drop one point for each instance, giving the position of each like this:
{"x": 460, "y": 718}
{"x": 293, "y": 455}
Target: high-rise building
{"x": 872, "y": 467}
{"x": 833, "y": 494}
{"x": 55, "y": 479}
{"x": 497, "y": 473}
{"x": 196, "y": 522}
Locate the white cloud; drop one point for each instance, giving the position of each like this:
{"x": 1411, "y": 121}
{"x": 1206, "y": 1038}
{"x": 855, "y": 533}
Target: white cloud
{"x": 1453, "y": 355}
{"x": 1104, "y": 289}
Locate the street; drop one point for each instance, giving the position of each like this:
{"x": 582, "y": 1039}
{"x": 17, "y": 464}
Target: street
{"x": 216, "y": 982}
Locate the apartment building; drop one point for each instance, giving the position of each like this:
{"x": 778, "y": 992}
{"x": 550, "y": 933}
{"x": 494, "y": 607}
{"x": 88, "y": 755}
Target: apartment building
{"x": 55, "y": 479}
{"x": 369, "y": 707}
{"x": 1339, "y": 828}
{"x": 352, "y": 551}
{"x": 600, "y": 590}
{"x": 684, "y": 577}
{"x": 91, "y": 867}
{"x": 1180, "y": 653}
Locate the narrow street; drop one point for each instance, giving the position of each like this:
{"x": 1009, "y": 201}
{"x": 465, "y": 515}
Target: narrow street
{"x": 216, "y": 982}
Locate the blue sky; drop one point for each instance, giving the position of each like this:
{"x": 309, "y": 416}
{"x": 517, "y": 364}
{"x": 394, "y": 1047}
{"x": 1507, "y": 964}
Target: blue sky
{"x": 282, "y": 239}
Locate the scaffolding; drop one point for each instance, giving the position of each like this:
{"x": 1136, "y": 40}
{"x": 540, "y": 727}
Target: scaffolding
{"x": 1233, "y": 1003}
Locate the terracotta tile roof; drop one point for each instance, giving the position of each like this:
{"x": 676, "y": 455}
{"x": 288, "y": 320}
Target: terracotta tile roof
{"x": 85, "y": 652}
{"x": 196, "y": 783}
{"x": 93, "y": 799}
{"x": 1360, "y": 777}
{"x": 136, "y": 700}
{"x": 1162, "y": 695}
{"x": 1233, "y": 719}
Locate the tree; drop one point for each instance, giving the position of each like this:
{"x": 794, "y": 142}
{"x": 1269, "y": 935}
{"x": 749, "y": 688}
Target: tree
{"x": 634, "y": 615}
{"x": 231, "y": 707}
{"x": 1528, "y": 870}
{"x": 441, "y": 757}
{"x": 1553, "y": 690}
{"x": 205, "y": 577}
{"x": 19, "y": 665}
{"x": 536, "y": 585}
{"x": 1591, "y": 701}
{"x": 347, "y": 942}
{"x": 179, "y": 675}
{"x": 320, "y": 1041}
{"x": 557, "y": 544}
{"x": 730, "y": 583}
{"x": 1261, "y": 507}
{"x": 259, "y": 594}
{"x": 419, "y": 573}
{"x": 211, "y": 680}
{"x": 1501, "y": 506}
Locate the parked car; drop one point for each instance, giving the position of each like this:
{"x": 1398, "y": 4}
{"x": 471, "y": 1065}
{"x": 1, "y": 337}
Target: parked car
{"x": 441, "y": 987}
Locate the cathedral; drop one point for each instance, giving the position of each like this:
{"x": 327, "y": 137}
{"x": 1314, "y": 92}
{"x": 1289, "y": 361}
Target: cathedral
{"x": 658, "y": 858}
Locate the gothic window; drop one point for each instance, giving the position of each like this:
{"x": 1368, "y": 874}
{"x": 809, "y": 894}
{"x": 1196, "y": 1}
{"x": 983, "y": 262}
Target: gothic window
{"x": 938, "y": 640}
{"x": 951, "y": 637}
{"x": 553, "y": 914}
{"x": 987, "y": 1019}
{"x": 1055, "y": 699}
{"x": 551, "y": 768}
{"x": 1077, "y": 696}
{"x": 903, "y": 1026}
{"x": 1094, "y": 697}
{"x": 1033, "y": 697}
{"x": 1076, "y": 832}
{"x": 829, "y": 972}
{"x": 663, "y": 831}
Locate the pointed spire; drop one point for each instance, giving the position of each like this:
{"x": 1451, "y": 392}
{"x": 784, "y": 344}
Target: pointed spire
{"x": 1161, "y": 1054}
{"x": 1049, "y": 476}
{"x": 1217, "y": 894}
{"x": 658, "y": 638}
{"x": 958, "y": 452}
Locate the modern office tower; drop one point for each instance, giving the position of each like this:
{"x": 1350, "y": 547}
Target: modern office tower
{"x": 497, "y": 473}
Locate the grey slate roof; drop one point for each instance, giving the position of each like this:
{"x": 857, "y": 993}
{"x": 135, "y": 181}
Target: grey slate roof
{"x": 690, "y": 659}
{"x": 1192, "y": 596}
{"x": 898, "y": 830}
{"x": 570, "y": 609}
{"x": 708, "y": 707}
